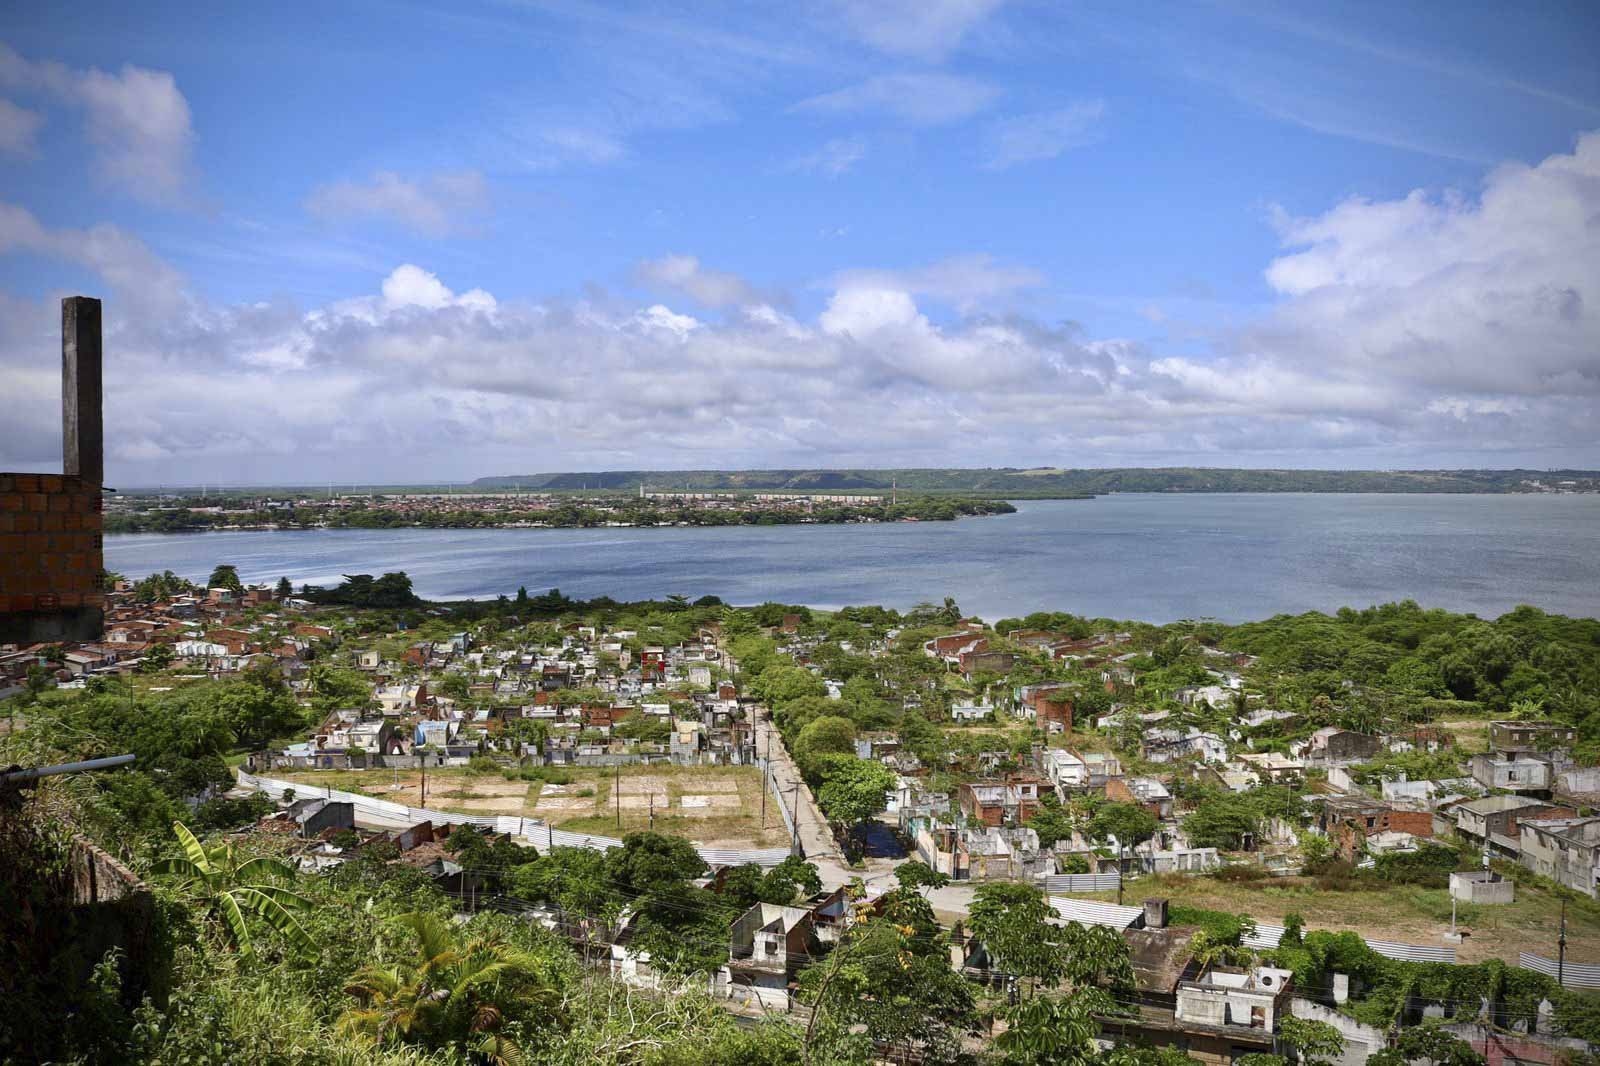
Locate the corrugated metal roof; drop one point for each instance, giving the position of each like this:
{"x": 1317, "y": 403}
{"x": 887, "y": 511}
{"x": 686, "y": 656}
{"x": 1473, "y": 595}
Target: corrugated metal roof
{"x": 1089, "y": 912}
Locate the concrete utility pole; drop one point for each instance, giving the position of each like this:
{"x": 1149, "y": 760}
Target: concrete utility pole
{"x": 82, "y": 430}
{"x": 616, "y": 791}
{"x": 1561, "y": 949}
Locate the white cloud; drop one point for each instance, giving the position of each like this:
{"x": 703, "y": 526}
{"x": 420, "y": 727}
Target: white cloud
{"x": 137, "y": 120}
{"x": 17, "y": 128}
{"x": 684, "y": 274}
{"x": 1043, "y": 134}
{"x": 411, "y": 286}
{"x": 916, "y": 99}
{"x": 1497, "y": 294}
{"x": 436, "y": 206}
{"x": 922, "y": 28}
{"x": 965, "y": 282}
{"x": 139, "y": 280}
{"x": 1453, "y": 330}
{"x": 833, "y": 158}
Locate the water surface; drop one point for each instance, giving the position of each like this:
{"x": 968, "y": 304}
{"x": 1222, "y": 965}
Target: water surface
{"x": 1157, "y": 557}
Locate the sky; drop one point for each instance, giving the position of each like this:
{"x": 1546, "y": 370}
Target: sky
{"x": 396, "y": 242}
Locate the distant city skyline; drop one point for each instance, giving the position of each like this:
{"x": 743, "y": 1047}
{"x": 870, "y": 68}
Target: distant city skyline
{"x": 395, "y": 244}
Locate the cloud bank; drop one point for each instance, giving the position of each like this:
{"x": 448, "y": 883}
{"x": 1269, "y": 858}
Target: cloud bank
{"x": 1432, "y": 329}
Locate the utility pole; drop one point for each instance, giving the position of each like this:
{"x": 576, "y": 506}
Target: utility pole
{"x": 1561, "y": 948}
{"x": 616, "y": 791}
{"x": 794, "y": 816}
{"x": 652, "y": 812}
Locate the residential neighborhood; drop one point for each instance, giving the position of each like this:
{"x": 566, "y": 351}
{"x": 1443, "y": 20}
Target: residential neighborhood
{"x": 1130, "y": 780}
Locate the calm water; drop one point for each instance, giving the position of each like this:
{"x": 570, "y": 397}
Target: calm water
{"x": 1152, "y": 557}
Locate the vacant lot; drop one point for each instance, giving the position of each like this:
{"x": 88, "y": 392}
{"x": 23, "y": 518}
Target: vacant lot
{"x": 1398, "y": 912}
{"x": 719, "y": 805}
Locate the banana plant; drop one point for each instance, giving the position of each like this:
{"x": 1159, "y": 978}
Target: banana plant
{"x": 230, "y": 889}
{"x": 450, "y": 993}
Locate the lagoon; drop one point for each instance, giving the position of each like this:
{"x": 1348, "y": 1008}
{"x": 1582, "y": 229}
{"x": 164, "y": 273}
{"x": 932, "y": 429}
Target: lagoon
{"x": 1154, "y": 557}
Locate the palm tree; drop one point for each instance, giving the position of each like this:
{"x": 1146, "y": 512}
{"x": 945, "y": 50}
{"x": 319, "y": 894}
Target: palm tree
{"x": 230, "y": 888}
{"x": 449, "y": 993}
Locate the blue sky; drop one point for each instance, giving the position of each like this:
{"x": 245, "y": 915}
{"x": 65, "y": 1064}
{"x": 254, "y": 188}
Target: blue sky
{"x": 397, "y": 241}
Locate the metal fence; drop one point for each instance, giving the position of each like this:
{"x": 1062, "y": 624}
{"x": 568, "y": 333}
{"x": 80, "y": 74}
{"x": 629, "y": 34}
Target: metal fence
{"x": 387, "y": 815}
{"x": 1412, "y": 952}
{"x": 1061, "y": 883}
{"x": 1267, "y": 936}
{"x": 1573, "y": 975}
{"x": 771, "y": 780}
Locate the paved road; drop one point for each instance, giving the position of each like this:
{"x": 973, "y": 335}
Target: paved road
{"x": 815, "y": 835}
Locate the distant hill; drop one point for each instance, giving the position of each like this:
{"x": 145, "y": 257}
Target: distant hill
{"x": 1048, "y": 482}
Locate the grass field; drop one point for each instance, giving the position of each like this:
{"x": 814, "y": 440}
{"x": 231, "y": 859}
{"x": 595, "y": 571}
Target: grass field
{"x": 718, "y": 805}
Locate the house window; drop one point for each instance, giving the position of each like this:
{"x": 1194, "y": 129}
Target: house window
{"x": 772, "y": 947}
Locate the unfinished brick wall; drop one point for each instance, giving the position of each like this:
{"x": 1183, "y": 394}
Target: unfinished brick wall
{"x": 50, "y": 527}
{"x": 50, "y": 558}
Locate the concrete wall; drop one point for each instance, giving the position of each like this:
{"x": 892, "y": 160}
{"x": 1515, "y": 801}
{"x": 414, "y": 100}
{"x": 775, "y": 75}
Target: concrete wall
{"x": 1472, "y": 887}
{"x": 1360, "y": 1041}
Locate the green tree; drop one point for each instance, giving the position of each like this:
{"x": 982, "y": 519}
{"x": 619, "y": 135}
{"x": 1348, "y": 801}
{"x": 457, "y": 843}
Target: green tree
{"x": 781, "y": 683}
{"x": 1427, "y": 1044}
{"x": 917, "y": 875}
{"x": 335, "y": 689}
{"x": 225, "y": 576}
{"x": 823, "y": 736}
{"x": 1013, "y": 922}
{"x": 229, "y": 889}
{"x": 1047, "y": 1030}
{"x": 1129, "y": 823}
{"x": 157, "y": 658}
{"x": 854, "y": 790}
{"x": 1219, "y": 823}
{"x": 450, "y": 994}
{"x": 1314, "y": 1043}
{"x": 284, "y": 589}
{"x": 887, "y": 983}
{"x": 455, "y": 686}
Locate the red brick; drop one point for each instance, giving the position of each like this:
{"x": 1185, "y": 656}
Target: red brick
{"x": 38, "y": 501}
{"x": 8, "y": 482}
{"x": 50, "y": 483}
{"x": 91, "y": 522}
{"x": 71, "y": 521}
{"x": 26, "y": 522}
{"x": 22, "y": 603}
{"x": 13, "y": 501}
{"x": 27, "y": 483}
{"x": 59, "y": 503}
